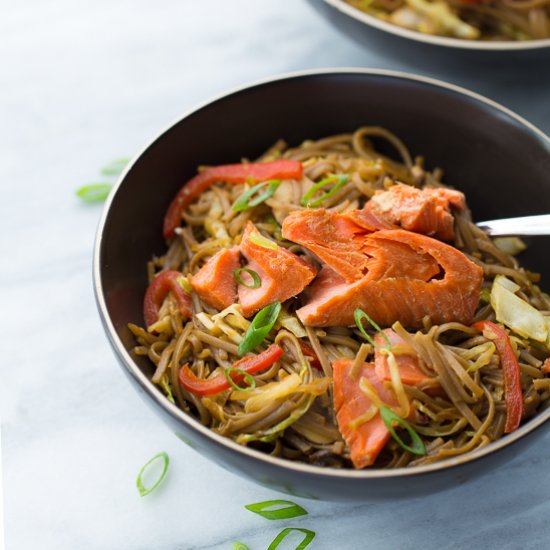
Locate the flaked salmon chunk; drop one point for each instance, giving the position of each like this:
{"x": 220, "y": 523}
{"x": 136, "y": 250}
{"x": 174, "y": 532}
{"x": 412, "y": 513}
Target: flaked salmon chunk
{"x": 283, "y": 274}
{"x": 215, "y": 282}
{"x": 426, "y": 211}
{"x": 392, "y": 274}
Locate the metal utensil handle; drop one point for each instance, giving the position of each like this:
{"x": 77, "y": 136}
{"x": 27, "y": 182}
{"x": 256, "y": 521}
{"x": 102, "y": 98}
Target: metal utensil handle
{"x": 528, "y": 225}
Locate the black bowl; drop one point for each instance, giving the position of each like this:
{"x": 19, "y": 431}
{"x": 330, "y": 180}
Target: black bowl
{"x": 420, "y": 49}
{"x": 500, "y": 160}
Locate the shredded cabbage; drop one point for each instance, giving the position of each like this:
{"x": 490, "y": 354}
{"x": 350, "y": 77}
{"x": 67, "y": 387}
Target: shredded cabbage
{"x": 233, "y": 316}
{"x": 510, "y": 245}
{"x": 212, "y": 224}
{"x": 508, "y": 284}
{"x": 292, "y": 324}
{"x": 275, "y": 431}
{"x": 274, "y": 390}
{"x": 516, "y": 313}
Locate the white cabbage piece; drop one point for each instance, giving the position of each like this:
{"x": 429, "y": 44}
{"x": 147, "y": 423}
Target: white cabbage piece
{"x": 516, "y": 313}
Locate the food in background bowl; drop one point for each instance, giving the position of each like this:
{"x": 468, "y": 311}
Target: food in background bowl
{"x": 466, "y": 19}
{"x": 330, "y": 305}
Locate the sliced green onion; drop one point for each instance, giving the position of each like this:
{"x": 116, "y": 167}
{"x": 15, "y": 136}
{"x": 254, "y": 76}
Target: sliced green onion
{"x": 389, "y": 417}
{"x": 251, "y": 383}
{"x": 260, "y": 240}
{"x": 256, "y": 281}
{"x": 285, "y": 509}
{"x": 359, "y": 315}
{"x": 115, "y": 167}
{"x": 260, "y": 327}
{"x": 277, "y": 233}
{"x": 244, "y": 202}
{"x": 143, "y": 491}
{"x": 309, "y": 536}
{"x": 340, "y": 181}
{"x": 184, "y": 283}
{"x": 239, "y": 546}
{"x": 167, "y": 389}
{"x": 485, "y": 295}
{"x": 95, "y": 192}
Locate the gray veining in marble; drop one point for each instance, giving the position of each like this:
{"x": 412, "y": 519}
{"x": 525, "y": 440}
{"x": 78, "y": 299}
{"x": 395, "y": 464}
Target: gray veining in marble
{"x": 81, "y": 83}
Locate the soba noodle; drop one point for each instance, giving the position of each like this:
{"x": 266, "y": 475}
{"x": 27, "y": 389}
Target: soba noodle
{"x": 468, "y": 414}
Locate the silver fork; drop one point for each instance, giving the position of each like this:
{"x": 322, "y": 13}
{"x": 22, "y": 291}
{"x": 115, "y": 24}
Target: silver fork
{"x": 528, "y": 225}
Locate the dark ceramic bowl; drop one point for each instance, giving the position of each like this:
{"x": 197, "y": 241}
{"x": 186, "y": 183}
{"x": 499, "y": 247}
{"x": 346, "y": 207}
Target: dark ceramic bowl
{"x": 425, "y": 49}
{"x": 500, "y": 160}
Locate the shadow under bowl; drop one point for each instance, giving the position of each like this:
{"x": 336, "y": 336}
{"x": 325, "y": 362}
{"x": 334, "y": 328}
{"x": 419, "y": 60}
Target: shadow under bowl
{"x": 498, "y": 159}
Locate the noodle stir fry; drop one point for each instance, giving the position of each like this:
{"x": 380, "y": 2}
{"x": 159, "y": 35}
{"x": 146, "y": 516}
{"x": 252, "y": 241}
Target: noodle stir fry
{"x": 330, "y": 305}
{"x": 466, "y": 19}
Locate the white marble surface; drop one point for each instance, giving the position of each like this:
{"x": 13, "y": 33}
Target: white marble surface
{"x": 82, "y": 83}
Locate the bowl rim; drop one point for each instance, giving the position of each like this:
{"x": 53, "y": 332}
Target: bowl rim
{"x": 445, "y": 41}
{"x": 179, "y": 415}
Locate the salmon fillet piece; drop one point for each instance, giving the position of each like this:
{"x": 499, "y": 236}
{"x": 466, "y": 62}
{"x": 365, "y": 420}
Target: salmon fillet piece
{"x": 334, "y": 238}
{"x": 282, "y": 273}
{"x": 369, "y": 220}
{"x": 367, "y": 440}
{"x": 409, "y": 368}
{"x": 426, "y": 211}
{"x": 338, "y": 240}
{"x": 215, "y": 282}
{"x": 409, "y": 276}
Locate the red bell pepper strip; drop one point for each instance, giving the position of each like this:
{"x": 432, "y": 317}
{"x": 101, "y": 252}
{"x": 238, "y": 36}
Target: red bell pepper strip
{"x": 231, "y": 173}
{"x": 219, "y": 383}
{"x": 546, "y": 366}
{"x": 308, "y": 351}
{"x": 161, "y": 285}
{"x": 510, "y": 368}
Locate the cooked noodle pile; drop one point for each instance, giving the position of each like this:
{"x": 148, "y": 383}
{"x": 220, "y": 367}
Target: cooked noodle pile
{"x": 296, "y": 419}
{"x": 467, "y": 19}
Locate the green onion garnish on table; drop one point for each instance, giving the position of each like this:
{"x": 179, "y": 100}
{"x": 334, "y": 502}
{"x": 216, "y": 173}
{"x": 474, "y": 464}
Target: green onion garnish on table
{"x": 284, "y": 509}
{"x": 260, "y": 327}
{"x": 94, "y": 192}
{"x": 143, "y": 490}
{"x": 115, "y": 167}
{"x": 308, "y": 537}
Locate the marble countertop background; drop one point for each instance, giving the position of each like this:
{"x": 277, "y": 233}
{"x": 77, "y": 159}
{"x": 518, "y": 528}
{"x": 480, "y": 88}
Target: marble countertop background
{"x": 84, "y": 82}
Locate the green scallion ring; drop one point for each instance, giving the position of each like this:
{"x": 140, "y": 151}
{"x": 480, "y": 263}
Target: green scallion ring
{"x": 245, "y": 201}
{"x": 94, "y": 192}
{"x": 260, "y": 240}
{"x": 256, "y": 281}
{"x": 115, "y": 167}
{"x": 247, "y": 376}
{"x": 340, "y": 180}
{"x": 143, "y": 491}
{"x": 260, "y": 327}
{"x": 284, "y": 509}
{"x": 184, "y": 283}
{"x": 389, "y": 417}
{"x": 308, "y": 537}
{"x": 359, "y": 315}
